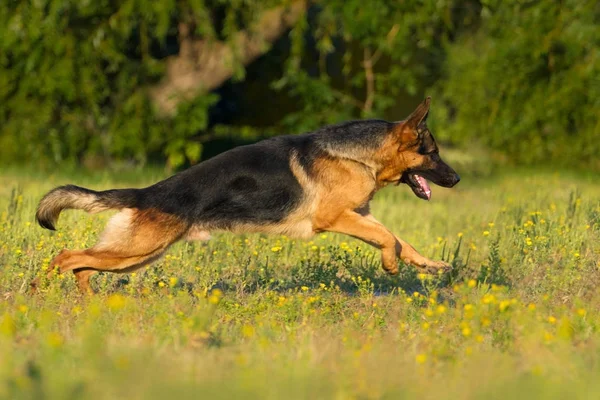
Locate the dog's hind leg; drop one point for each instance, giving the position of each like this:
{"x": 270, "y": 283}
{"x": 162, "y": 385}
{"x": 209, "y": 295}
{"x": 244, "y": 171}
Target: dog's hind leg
{"x": 83, "y": 279}
{"x": 85, "y": 263}
{"x": 132, "y": 239}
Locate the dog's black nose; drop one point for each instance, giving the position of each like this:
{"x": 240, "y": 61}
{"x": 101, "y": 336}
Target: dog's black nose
{"x": 456, "y": 179}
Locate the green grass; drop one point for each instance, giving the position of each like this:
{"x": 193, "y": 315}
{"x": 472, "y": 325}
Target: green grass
{"x": 271, "y": 317}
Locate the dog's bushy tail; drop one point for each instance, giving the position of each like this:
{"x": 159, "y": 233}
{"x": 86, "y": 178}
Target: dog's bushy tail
{"x": 75, "y": 197}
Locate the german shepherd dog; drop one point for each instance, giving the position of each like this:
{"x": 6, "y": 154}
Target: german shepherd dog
{"x": 296, "y": 185}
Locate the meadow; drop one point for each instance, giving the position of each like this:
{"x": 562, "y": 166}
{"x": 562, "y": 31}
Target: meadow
{"x": 257, "y": 316}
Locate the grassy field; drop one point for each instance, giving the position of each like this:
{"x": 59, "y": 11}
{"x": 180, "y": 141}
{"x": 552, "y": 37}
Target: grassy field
{"x": 271, "y": 317}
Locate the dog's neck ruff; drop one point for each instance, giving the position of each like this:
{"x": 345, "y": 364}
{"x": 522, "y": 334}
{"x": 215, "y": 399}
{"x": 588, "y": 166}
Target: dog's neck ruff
{"x": 357, "y": 155}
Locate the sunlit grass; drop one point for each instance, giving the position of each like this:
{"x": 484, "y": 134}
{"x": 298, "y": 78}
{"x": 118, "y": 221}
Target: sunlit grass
{"x": 272, "y": 317}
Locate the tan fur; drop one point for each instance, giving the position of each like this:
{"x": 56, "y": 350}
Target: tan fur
{"x": 197, "y": 233}
{"x": 336, "y": 199}
{"x": 342, "y": 185}
{"x": 132, "y": 239}
{"x": 398, "y": 153}
{"x": 405, "y": 251}
{"x": 336, "y": 195}
{"x": 86, "y": 202}
{"x": 345, "y": 189}
{"x": 60, "y": 199}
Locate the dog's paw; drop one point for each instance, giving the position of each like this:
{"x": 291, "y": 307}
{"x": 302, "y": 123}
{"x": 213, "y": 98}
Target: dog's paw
{"x": 435, "y": 267}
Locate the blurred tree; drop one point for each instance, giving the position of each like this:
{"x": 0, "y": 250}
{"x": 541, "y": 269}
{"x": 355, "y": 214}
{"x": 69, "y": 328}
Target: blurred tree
{"x": 528, "y": 82}
{"x": 203, "y": 64}
{"x": 368, "y": 54}
{"x": 104, "y": 78}
{"x": 135, "y": 80}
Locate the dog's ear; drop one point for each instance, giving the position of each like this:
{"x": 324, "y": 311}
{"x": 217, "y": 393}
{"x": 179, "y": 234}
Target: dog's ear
{"x": 419, "y": 115}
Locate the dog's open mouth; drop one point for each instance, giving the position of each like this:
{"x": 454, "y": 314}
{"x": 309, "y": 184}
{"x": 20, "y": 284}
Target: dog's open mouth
{"x": 418, "y": 184}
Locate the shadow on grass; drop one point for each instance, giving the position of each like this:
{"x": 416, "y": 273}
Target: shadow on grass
{"x": 350, "y": 273}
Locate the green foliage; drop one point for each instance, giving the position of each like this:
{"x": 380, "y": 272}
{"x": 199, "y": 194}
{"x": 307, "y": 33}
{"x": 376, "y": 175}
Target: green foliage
{"x": 492, "y": 272}
{"x": 74, "y": 79}
{"x": 518, "y": 77}
{"x": 368, "y": 57}
{"x": 67, "y": 86}
{"x": 527, "y": 83}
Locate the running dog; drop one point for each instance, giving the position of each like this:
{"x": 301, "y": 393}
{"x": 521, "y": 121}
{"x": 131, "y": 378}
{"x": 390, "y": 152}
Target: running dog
{"x": 296, "y": 185}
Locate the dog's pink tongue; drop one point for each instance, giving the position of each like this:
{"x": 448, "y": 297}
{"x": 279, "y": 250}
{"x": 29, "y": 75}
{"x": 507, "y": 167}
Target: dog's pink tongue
{"x": 424, "y": 185}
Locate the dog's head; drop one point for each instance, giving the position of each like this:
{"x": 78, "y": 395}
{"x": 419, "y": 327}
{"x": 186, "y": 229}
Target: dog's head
{"x": 418, "y": 155}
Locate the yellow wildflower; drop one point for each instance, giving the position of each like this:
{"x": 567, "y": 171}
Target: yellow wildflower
{"x": 248, "y": 331}
{"x": 115, "y": 302}
{"x": 215, "y": 296}
{"x": 54, "y": 340}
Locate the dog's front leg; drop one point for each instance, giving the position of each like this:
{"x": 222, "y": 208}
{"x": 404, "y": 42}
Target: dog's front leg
{"x": 372, "y": 232}
{"x": 407, "y": 253}
{"x": 411, "y": 256}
